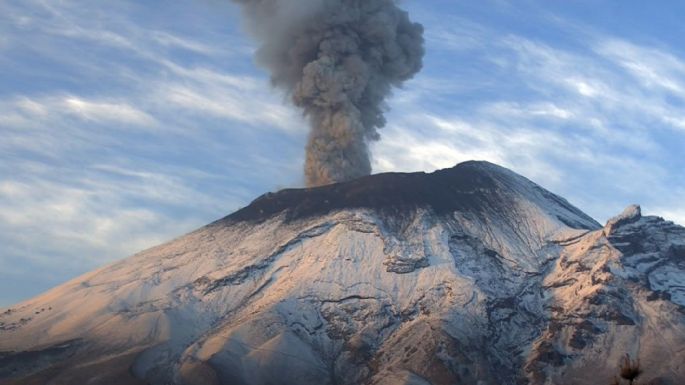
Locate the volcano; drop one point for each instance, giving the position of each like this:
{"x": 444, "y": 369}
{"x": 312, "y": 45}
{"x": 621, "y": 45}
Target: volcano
{"x": 468, "y": 275}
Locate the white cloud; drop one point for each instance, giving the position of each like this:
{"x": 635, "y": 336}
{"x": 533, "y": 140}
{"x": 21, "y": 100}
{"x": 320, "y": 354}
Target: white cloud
{"x": 649, "y": 66}
{"x": 225, "y": 103}
{"x": 585, "y": 87}
{"x": 170, "y": 40}
{"x": 211, "y": 78}
{"x": 527, "y": 111}
{"x": 456, "y": 33}
{"x": 614, "y": 94}
{"x": 103, "y": 111}
{"x": 58, "y": 107}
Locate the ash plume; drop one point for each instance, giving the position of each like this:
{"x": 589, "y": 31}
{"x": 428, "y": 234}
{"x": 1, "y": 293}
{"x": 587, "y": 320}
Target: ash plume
{"x": 337, "y": 60}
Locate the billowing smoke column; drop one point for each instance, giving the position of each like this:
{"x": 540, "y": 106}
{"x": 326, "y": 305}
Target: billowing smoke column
{"x": 338, "y": 60}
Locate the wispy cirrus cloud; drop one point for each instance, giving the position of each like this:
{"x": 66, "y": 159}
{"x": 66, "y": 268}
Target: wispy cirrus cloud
{"x": 63, "y": 106}
{"x": 651, "y": 67}
{"x": 98, "y": 111}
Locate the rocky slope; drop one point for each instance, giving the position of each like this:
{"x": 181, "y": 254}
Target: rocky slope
{"x": 470, "y": 275}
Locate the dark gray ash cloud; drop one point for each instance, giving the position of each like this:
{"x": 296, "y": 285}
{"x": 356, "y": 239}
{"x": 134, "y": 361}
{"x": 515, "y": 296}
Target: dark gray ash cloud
{"x": 338, "y": 60}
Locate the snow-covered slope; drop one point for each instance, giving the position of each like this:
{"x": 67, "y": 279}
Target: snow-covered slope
{"x": 470, "y": 275}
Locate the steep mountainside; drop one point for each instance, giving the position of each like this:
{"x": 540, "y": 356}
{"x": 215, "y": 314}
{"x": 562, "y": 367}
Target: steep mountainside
{"x": 470, "y": 275}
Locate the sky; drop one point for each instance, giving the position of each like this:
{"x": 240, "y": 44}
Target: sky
{"x": 124, "y": 124}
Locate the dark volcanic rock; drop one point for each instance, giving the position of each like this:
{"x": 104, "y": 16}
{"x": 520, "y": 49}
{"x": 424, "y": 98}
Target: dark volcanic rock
{"x": 470, "y": 187}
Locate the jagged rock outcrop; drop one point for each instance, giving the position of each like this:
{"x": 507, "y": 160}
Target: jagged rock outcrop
{"x": 468, "y": 275}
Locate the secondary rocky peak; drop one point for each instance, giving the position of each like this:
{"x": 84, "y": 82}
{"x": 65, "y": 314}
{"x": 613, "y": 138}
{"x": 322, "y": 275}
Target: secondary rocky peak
{"x": 630, "y": 214}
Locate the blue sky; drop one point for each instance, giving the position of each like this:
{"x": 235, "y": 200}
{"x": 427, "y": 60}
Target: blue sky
{"x": 124, "y": 123}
